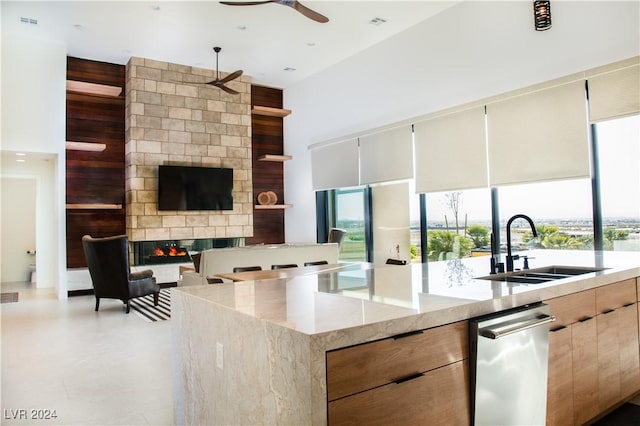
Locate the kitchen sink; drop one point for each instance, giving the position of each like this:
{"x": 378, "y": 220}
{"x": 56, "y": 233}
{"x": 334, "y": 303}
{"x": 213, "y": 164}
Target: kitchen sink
{"x": 541, "y": 275}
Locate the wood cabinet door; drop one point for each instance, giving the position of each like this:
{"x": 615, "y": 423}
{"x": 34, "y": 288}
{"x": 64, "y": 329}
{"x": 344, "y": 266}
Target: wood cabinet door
{"x": 438, "y": 397}
{"x": 560, "y": 379}
{"x": 629, "y": 350}
{"x": 584, "y": 336}
{"x": 608, "y": 359}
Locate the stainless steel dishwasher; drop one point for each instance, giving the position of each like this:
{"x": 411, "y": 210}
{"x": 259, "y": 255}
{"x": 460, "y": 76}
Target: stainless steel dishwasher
{"x": 509, "y": 363}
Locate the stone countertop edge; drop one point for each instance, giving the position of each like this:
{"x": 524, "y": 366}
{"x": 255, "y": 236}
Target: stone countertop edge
{"x": 460, "y": 309}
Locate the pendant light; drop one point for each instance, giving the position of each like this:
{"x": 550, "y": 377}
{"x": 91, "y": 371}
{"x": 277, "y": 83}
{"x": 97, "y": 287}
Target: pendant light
{"x": 542, "y": 14}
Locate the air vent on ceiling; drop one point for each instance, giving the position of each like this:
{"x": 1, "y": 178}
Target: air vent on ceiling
{"x": 29, "y": 21}
{"x": 377, "y": 21}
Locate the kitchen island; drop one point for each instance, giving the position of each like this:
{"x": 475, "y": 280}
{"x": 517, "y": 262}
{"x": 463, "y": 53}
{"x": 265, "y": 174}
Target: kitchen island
{"x": 257, "y": 352}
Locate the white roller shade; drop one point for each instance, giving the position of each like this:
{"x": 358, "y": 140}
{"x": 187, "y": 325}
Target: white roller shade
{"x": 539, "y": 136}
{"x": 451, "y": 152}
{"x": 335, "y": 165}
{"x": 614, "y": 94}
{"x": 386, "y": 156}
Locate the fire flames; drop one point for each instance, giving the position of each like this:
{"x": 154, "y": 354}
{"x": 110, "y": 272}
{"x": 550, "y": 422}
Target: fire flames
{"x": 169, "y": 251}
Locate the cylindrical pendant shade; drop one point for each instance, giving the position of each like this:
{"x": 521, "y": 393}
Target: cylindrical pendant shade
{"x": 542, "y": 14}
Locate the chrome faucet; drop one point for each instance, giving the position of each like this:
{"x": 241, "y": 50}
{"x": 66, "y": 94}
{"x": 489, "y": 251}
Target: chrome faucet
{"x": 511, "y": 258}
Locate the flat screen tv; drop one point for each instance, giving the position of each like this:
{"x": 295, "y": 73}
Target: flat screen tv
{"x": 195, "y": 188}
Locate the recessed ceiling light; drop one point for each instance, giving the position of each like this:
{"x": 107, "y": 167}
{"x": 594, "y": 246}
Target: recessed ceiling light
{"x": 377, "y": 21}
{"x": 289, "y": 69}
{"x": 21, "y": 160}
{"x": 21, "y": 154}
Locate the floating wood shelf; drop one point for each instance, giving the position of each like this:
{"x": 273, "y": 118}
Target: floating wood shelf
{"x": 271, "y": 112}
{"x": 94, "y": 206}
{"x": 273, "y": 157}
{"x": 93, "y": 88}
{"x": 273, "y": 206}
{"x": 85, "y": 146}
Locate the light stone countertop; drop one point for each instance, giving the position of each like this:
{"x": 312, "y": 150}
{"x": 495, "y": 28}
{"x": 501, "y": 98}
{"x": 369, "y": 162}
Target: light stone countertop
{"x": 264, "y": 343}
{"x": 417, "y": 296}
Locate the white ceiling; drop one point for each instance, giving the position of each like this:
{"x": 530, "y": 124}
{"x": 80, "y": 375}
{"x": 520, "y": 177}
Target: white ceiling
{"x": 274, "y": 37}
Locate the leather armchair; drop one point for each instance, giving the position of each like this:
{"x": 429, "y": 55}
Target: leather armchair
{"x": 108, "y": 261}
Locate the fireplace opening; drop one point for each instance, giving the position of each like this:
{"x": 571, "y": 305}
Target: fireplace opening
{"x": 168, "y": 254}
{"x": 176, "y": 251}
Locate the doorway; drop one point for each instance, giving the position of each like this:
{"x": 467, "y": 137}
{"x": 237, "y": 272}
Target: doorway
{"x": 18, "y": 241}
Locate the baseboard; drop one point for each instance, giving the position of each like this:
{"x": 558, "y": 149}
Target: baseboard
{"x": 89, "y": 291}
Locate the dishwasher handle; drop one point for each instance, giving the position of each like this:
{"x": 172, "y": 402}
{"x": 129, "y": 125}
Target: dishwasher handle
{"x": 492, "y": 333}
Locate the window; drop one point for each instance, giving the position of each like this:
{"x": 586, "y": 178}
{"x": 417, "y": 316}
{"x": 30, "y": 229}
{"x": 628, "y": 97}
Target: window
{"x": 349, "y": 209}
{"x": 561, "y": 211}
{"x": 415, "y": 232}
{"x": 458, "y": 224}
{"x": 618, "y": 151}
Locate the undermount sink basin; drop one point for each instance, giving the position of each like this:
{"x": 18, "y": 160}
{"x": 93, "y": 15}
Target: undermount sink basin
{"x": 541, "y": 275}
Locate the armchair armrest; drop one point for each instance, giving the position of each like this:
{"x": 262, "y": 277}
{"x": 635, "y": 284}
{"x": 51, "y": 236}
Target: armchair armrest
{"x": 140, "y": 275}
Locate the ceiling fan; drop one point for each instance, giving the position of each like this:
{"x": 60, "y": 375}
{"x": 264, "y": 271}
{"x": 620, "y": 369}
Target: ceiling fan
{"x": 220, "y": 83}
{"x": 296, "y": 5}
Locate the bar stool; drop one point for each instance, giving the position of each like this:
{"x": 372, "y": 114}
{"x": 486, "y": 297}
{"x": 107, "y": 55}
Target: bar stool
{"x": 286, "y": 265}
{"x": 317, "y": 262}
{"x": 246, "y": 268}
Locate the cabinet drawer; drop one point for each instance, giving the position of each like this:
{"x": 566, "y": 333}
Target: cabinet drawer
{"x": 615, "y": 295}
{"x": 365, "y": 366}
{"x": 572, "y": 308}
{"x": 439, "y": 397}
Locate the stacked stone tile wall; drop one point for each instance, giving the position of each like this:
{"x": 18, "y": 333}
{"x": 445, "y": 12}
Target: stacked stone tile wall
{"x": 172, "y": 118}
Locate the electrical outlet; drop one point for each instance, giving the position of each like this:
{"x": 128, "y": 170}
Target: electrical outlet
{"x": 219, "y": 355}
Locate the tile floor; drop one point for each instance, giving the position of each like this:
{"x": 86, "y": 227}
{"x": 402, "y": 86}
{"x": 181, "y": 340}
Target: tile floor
{"x": 92, "y": 368}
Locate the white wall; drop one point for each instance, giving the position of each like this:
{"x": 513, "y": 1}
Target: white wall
{"x": 468, "y": 52}
{"x": 33, "y": 121}
{"x": 33, "y": 90}
{"x": 18, "y": 236}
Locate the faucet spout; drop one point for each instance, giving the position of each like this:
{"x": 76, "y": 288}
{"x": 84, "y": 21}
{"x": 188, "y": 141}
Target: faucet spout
{"x": 510, "y": 258}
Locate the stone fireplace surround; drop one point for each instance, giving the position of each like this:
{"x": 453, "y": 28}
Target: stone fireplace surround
{"x": 173, "y": 118}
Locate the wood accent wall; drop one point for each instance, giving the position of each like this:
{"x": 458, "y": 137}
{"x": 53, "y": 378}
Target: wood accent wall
{"x": 267, "y": 137}
{"x": 94, "y": 177}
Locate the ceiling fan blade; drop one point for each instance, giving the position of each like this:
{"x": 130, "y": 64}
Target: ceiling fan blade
{"x": 311, "y": 14}
{"x": 231, "y": 76}
{"x": 246, "y": 3}
{"x": 228, "y": 90}
{"x": 295, "y": 4}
